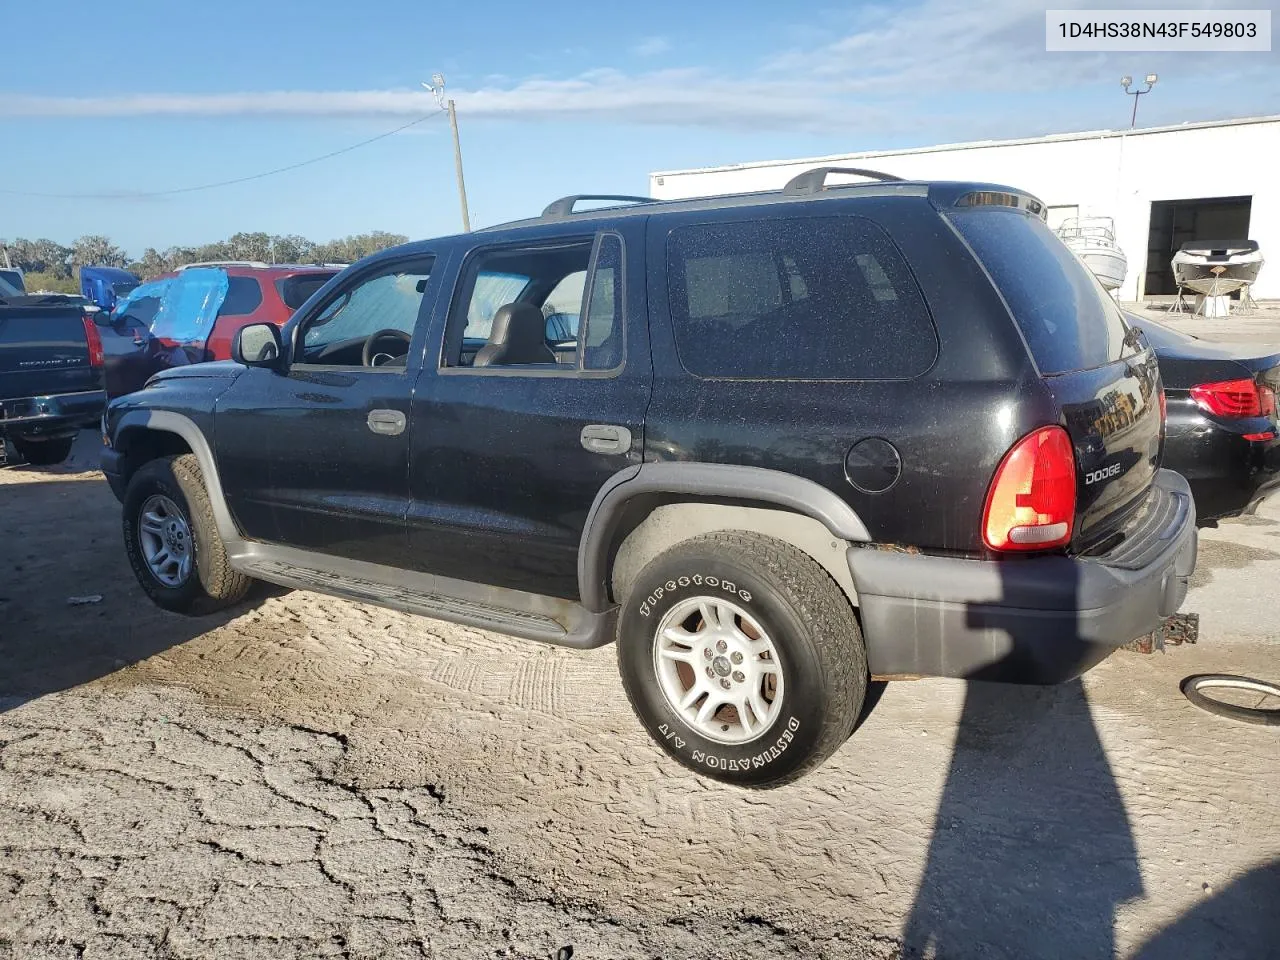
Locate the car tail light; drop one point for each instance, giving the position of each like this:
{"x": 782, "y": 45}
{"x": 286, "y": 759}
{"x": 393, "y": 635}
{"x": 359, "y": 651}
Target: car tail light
{"x": 1235, "y": 398}
{"x": 94, "y": 341}
{"x": 1260, "y": 437}
{"x": 1032, "y": 501}
{"x": 1164, "y": 408}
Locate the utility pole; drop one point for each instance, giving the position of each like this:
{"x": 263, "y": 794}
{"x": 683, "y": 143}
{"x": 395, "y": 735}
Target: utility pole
{"x": 437, "y": 87}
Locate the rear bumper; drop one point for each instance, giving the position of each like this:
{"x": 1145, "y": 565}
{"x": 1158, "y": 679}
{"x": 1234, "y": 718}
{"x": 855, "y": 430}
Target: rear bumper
{"x": 1228, "y": 474}
{"x": 1034, "y": 620}
{"x": 52, "y": 415}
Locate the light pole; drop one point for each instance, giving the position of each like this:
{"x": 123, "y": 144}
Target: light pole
{"x": 1151, "y": 79}
{"x": 436, "y": 86}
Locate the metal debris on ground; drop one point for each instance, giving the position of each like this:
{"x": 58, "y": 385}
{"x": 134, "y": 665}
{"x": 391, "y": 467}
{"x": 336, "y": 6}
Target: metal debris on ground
{"x": 81, "y": 601}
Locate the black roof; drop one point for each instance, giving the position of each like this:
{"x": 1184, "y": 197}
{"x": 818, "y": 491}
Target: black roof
{"x": 561, "y": 212}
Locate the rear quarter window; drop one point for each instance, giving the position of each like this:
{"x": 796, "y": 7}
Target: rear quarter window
{"x": 296, "y": 290}
{"x": 1068, "y": 320}
{"x": 807, "y": 298}
{"x": 244, "y": 295}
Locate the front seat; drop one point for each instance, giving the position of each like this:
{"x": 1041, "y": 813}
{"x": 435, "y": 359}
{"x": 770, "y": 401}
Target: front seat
{"x": 518, "y": 335}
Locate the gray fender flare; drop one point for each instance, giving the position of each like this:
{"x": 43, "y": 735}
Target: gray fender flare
{"x": 166, "y": 421}
{"x": 699, "y": 480}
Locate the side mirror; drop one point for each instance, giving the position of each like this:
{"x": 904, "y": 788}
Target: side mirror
{"x": 257, "y": 345}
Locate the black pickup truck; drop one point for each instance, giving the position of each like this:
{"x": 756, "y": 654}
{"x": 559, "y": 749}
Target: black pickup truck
{"x": 51, "y": 374}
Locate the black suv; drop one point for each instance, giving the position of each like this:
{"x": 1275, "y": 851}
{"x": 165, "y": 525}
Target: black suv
{"x": 774, "y": 444}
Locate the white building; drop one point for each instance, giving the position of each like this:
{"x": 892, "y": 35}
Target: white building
{"x": 1162, "y": 185}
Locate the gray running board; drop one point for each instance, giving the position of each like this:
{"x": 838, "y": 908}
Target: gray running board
{"x": 530, "y": 616}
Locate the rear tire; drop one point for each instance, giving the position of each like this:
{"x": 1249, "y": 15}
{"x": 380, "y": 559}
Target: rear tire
{"x": 44, "y": 453}
{"x": 742, "y": 658}
{"x": 172, "y": 540}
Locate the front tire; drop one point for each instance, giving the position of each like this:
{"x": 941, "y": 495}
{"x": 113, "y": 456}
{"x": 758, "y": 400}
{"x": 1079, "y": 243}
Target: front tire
{"x": 44, "y": 453}
{"x": 742, "y": 658}
{"x": 172, "y": 540}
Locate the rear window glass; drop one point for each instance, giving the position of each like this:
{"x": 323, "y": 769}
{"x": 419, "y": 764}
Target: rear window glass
{"x": 11, "y": 283}
{"x": 812, "y": 298}
{"x": 295, "y": 291}
{"x": 244, "y": 296}
{"x": 1068, "y": 320}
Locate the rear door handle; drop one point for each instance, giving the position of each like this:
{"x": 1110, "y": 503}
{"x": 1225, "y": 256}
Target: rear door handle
{"x": 389, "y": 423}
{"x": 605, "y": 438}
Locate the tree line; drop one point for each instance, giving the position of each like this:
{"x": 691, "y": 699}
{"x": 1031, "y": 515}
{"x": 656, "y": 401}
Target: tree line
{"x": 51, "y": 266}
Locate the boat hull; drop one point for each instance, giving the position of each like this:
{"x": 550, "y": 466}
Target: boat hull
{"x": 1106, "y": 262}
{"x": 1215, "y": 278}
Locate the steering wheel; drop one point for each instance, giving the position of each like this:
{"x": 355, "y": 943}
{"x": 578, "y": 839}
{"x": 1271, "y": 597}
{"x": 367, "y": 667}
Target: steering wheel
{"x": 371, "y": 359}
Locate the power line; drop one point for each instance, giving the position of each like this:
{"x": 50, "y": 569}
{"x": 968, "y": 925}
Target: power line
{"x": 220, "y": 183}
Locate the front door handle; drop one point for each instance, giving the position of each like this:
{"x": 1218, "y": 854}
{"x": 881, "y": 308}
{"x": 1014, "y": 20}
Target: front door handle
{"x": 605, "y": 438}
{"x": 389, "y": 423}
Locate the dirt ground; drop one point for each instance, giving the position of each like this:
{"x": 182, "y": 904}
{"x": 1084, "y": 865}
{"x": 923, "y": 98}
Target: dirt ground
{"x": 305, "y": 776}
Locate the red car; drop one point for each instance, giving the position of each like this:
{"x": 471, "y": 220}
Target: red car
{"x": 192, "y": 316}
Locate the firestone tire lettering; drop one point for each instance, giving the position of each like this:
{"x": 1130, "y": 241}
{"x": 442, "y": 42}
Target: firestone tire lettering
{"x": 697, "y": 580}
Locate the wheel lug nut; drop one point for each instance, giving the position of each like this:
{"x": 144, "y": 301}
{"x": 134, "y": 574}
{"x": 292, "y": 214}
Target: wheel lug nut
{"x": 739, "y": 675}
{"x": 721, "y": 646}
{"x": 706, "y": 653}
{"x": 724, "y": 683}
{"x": 737, "y": 657}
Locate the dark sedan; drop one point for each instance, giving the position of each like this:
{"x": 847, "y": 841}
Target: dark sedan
{"x": 1222, "y": 426}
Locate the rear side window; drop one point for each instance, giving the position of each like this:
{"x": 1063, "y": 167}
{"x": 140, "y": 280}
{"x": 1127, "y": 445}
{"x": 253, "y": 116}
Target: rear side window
{"x": 295, "y": 291}
{"x": 244, "y": 295}
{"x": 1068, "y": 320}
{"x": 812, "y": 298}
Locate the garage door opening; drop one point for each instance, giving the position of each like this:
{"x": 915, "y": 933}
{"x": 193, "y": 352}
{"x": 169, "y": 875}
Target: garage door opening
{"x": 1174, "y": 222}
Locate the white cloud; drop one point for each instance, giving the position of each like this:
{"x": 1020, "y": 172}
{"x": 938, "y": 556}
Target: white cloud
{"x": 880, "y": 70}
{"x": 657, "y": 97}
{"x": 651, "y": 47}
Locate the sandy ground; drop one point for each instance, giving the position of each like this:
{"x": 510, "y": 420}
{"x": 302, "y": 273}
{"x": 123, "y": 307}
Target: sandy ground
{"x": 304, "y": 776}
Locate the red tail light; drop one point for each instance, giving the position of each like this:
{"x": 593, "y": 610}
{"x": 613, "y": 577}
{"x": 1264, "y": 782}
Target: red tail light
{"x": 1032, "y": 501}
{"x": 94, "y": 340}
{"x": 1235, "y": 398}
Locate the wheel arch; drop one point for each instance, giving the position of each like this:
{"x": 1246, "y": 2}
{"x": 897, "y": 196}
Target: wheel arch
{"x": 645, "y": 509}
{"x": 144, "y": 435}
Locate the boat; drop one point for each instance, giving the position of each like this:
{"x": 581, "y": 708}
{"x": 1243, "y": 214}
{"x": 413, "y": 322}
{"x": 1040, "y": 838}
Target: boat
{"x": 1215, "y": 269}
{"x": 1093, "y": 240}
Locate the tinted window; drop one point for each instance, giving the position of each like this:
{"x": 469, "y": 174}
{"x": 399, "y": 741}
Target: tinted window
{"x": 295, "y": 291}
{"x": 814, "y": 298}
{"x": 142, "y": 311}
{"x": 244, "y": 296}
{"x": 602, "y": 343}
{"x": 11, "y": 283}
{"x": 1068, "y": 320}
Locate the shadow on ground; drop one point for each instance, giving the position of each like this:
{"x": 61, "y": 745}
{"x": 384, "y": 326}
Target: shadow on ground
{"x": 1032, "y": 851}
{"x": 60, "y": 539}
{"x": 1242, "y": 921}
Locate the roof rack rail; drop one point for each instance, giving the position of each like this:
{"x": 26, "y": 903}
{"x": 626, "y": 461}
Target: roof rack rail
{"x": 815, "y": 180}
{"x": 224, "y": 263}
{"x": 564, "y": 206}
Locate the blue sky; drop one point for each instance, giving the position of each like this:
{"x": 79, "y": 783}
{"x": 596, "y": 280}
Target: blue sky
{"x": 554, "y": 97}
